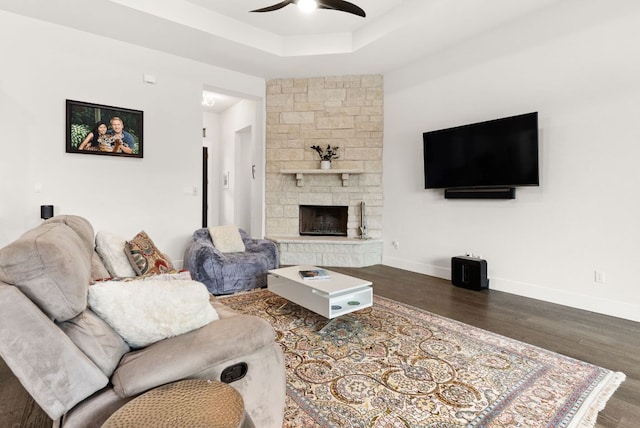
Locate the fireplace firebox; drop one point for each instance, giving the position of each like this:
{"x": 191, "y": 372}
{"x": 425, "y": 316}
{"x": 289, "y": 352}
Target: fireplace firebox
{"x": 323, "y": 220}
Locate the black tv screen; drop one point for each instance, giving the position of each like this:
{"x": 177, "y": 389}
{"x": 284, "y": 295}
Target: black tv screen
{"x": 495, "y": 153}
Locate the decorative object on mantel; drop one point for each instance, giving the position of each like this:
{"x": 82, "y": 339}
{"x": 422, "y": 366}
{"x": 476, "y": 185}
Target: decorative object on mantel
{"x": 363, "y": 222}
{"x": 326, "y": 156}
{"x": 344, "y": 173}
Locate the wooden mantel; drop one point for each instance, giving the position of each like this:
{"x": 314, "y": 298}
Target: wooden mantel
{"x": 301, "y": 172}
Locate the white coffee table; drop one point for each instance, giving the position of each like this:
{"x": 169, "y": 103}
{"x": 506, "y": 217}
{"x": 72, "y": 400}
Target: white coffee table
{"x": 339, "y": 295}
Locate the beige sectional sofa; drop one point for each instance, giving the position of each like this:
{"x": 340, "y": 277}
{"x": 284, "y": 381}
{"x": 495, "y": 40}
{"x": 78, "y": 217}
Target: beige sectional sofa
{"x": 80, "y": 370}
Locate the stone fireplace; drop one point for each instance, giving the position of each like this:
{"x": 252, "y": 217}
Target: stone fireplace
{"x": 323, "y": 220}
{"x": 343, "y": 111}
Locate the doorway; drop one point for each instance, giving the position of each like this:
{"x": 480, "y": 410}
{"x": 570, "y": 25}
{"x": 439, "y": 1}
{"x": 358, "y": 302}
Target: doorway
{"x": 205, "y": 184}
{"x": 235, "y": 169}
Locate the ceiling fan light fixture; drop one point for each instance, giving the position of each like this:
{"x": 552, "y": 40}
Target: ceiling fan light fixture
{"x": 307, "y": 5}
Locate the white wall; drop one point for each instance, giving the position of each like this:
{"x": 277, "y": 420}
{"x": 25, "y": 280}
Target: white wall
{"x": 44, "y": 64}
{"x": 579, "y": 69}
{"x": 241, "y": 117}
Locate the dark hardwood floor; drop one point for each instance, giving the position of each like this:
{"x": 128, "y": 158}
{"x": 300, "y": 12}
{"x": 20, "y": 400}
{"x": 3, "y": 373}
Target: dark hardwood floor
{"x": 606, "y": 341}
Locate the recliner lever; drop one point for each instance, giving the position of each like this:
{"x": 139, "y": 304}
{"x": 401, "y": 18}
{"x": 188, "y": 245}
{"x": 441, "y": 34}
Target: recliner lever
{"x": 234, "y": 372}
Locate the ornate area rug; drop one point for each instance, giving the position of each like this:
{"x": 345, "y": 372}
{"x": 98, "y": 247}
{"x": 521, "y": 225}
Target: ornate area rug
{"x": 395, "y": 366}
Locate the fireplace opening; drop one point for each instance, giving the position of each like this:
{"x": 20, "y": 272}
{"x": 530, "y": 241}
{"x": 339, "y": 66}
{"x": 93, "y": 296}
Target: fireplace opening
{"x": 323, "y": 220}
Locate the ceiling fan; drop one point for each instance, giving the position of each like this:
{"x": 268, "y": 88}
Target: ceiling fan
{"x": 339, "y": 5}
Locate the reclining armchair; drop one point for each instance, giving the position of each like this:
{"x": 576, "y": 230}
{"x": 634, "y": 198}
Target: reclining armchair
{"x": 79, "y": 368}
{"x": 230, "y": 272}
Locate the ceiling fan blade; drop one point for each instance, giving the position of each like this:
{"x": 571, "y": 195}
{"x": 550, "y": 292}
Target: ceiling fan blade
{"x": 341, "y": 5}
{"x": 275, "y": 6}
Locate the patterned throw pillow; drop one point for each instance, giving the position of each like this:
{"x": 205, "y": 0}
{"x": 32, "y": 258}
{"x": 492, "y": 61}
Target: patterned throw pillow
{"x": 145, "y": 257}
{"x": 227, "y": 239}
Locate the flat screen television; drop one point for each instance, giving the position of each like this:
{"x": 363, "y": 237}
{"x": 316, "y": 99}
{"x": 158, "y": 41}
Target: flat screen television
{"x": 493, "y": 154}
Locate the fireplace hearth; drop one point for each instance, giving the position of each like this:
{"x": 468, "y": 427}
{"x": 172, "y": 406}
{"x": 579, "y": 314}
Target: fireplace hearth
{"x": 323, "y": 220}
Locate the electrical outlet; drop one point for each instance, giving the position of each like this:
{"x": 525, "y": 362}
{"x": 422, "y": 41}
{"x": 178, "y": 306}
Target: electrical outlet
{"x": 599, "y": 276}
{"x": 396, "y": 245}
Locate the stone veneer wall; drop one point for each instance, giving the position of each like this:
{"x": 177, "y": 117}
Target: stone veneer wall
{"x": 345, "y": 111}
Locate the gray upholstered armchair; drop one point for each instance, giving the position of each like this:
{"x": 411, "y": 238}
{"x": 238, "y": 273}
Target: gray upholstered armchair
{"x": 226, "y": 273}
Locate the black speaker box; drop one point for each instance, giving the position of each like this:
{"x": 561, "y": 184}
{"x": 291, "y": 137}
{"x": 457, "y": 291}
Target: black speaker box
{"x": 46, "y": 212}
{"x": 469, "y": 272}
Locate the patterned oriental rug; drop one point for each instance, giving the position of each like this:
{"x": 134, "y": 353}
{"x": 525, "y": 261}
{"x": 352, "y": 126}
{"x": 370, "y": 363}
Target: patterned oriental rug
{"x": 399, "y": 366}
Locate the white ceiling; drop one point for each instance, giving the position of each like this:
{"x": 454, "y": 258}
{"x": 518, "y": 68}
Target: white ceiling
{"x": 286, "y": 43}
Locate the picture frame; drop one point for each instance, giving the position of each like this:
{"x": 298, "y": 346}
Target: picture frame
{"x": 98, "y": 129}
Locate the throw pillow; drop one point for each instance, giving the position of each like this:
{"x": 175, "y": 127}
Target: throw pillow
{"x": 145, "y": 257}
{"x": 227, "y": 239}
{"x": 112, "y": 250}
{"x": 144, "y": 312}
{"x": 169, "y": 276}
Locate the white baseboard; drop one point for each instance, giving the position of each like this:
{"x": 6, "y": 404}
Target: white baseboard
{"x": 412, "y": 266}
{"x": 574, "y": 300}
{"x": 599, "y": 305}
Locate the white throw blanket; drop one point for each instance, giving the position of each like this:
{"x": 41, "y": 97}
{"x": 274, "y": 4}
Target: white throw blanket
{"x": 146, "y": 311}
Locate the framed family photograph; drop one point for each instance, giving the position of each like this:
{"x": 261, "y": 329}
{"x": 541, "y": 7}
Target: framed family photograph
{"x": 103, "y": 130}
